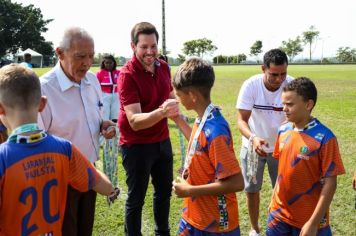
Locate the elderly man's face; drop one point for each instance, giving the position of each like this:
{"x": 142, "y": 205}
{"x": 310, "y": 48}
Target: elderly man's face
{"x": 77, "y": 60}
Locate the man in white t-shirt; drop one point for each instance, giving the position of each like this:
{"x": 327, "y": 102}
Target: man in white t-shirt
{"x": 260, "y": 113}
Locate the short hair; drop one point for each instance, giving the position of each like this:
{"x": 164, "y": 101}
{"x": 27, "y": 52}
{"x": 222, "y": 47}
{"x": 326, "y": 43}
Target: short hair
{"x": 27, "y": 56}
{"x": 142, "y": 28}
{"x": 275, "y": 56}
{"x": 163, "y": 57}
{"x": 20, "y": 87}
{"x": 108, "y": 57}
{"x": 195, "y": 73}
{"x": 71, "y": 34}
{"x": 304, "y": 87}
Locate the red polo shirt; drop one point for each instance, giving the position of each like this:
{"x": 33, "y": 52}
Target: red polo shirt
{"x": 137, "y": 85}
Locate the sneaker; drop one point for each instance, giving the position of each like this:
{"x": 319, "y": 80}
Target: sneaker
{"x": 253, "y": 233}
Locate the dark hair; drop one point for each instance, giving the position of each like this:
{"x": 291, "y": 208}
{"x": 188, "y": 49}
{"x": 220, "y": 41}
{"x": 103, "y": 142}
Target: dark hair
{"x": 108, "y": 57}
{"x": 195, "y": 73}
{"x": 304, "y": 87}
{"x": 142, "y": 28}
{"x": 19, "y": 87}
{"x": 27, "y": 57}
{"x": 275, "y": 56}
{"x": 163, "y": 57}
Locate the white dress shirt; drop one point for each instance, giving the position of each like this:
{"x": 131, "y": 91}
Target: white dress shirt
{"x": 73, "y": 111}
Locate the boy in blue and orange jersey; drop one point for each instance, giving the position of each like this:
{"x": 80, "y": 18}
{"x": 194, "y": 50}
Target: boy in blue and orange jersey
{"x": 211, "y": 173}
{"x": 35, "y": 167}
{"x": 309, "y": 161}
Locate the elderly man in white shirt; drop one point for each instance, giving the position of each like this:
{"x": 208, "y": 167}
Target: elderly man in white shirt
{"x": 74, "y": 112}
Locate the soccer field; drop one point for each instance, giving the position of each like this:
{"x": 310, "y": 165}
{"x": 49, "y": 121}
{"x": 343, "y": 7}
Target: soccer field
{"x": 336, "y": 108}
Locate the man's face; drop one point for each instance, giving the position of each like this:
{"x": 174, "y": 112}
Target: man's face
{"x": 274, "y": 76}
{"x": 146, "y": 49}
{"x": 77, "y": 60}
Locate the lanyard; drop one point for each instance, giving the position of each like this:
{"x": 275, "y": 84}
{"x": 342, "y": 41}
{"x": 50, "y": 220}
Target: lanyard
{"x": 25, "y": 128}
{"x": 193, "y": 146}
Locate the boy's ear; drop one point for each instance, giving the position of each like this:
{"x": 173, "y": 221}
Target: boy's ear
{"x": 43, "y": 103}
{"x": 310, "y": 104}
{"x": 192, "y": 95}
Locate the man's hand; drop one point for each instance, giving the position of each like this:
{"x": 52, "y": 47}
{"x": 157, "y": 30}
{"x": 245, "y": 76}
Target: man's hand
{"x": 108, "y": 129}
{"x": 170, "y": 108}
{"x": 181, "y": 187}
{"x": 258, "y": 146}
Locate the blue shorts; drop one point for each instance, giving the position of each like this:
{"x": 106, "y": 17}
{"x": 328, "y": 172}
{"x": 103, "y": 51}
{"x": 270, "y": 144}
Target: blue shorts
{"x": 280, "y": 228}
{"x": 272, "y": 165}
{"x": 185, "y": 229}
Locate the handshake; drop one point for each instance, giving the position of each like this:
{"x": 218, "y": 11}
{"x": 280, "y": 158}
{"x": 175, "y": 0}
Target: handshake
{"x": 170, "y": 108}
{"x": 113, "y": 196}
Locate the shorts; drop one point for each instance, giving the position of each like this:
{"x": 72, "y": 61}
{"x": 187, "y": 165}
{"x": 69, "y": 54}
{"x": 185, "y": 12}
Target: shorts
{"x": 272, "y": 165}
{"x": 279, "y": 228}
{"x": 186, "y": 229}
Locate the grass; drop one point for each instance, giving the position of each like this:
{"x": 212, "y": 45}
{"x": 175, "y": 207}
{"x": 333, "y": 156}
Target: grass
{"x": 336, "y": 108}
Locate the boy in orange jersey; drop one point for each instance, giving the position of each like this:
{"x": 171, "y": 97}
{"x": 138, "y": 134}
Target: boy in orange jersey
{"x": 211, "y": 173}
{"x": 35, "y": 167}
{"x": 309, "y": 161}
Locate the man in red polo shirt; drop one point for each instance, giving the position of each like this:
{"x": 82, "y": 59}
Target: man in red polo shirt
{"x": 147, "y": 100}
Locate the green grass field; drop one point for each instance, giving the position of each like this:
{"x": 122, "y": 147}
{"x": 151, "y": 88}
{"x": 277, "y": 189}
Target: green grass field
{"x": 336, "y": 108}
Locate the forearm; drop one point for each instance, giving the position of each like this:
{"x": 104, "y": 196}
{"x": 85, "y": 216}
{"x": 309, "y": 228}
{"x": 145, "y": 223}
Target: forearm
{"x": 324, "y": 202}
{"x": 183, "y": 126}
{"x": 104, "y": 185}
{"x": 244, "y": 128}
{"x": 141, "y": 121}
{"x": 229, "y": 185}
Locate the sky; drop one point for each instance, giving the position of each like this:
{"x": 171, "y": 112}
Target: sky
{"x": 232, "y": 25}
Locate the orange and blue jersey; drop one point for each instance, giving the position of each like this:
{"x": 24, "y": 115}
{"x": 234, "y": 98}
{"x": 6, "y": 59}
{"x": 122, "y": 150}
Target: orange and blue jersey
{"x": 213, "y": 160}
{"x": 33, "y": 184}
{"x": 305, "y": 157}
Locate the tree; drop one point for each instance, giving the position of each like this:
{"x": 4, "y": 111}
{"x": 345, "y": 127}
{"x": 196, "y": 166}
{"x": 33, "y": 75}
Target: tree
{"x": 256, "y": 48}
{"x": 292, "y": 47}
{"x": 346, "y": 54}
{"x": 198, "y": 47}
{"x": 21, "y": 27}
{"x": 241, "y": 57}
{"x": 309, "y": 37}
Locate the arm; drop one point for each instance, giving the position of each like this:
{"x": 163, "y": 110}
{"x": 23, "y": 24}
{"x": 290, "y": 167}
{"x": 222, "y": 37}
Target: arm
{"x": 103, "y": 185}
{"x": 230, "y": 184}
{"x": 242, "y": 122}
{"x": 139, "y": 120}
{"x": 326, "y": 196}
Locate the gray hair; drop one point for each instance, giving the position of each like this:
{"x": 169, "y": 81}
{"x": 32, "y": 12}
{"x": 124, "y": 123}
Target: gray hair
{"x": 71, "y": 34}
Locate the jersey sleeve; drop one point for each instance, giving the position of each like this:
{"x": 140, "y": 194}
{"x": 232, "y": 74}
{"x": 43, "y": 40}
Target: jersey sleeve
{"x": 222, "y": 156}
{"x": 330, "y": 158}
{"x": 127, "y": 89}
{"x": 82, "y": 173}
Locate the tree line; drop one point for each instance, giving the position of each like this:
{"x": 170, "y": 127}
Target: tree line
{"x": 21, "y": 27}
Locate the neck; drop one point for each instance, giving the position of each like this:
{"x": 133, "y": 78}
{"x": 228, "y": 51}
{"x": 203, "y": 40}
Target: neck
{"x": 302, "y": 123}
{"x": 200, "y": 109}
{"x": 20, "y": 118}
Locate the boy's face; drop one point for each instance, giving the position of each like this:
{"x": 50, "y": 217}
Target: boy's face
{"x": 185, "y": 98}
{"x": 296, "y": 109}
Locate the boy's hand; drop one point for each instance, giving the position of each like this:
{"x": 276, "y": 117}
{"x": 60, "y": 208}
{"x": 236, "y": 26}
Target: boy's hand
{"x": 113, "y": 196}
{"x": 181, "y": 187}
{"x": 309, "y": 229}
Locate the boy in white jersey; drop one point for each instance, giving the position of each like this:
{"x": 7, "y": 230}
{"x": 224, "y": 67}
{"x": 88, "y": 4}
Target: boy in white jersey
{"x": 259, "y": 115}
